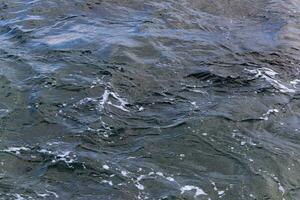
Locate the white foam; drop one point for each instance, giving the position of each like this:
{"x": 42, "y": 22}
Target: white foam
{"x": 138, "y": 184}
{"x": 124, "y": 173}
{"x": 43, "y": 195}
{"x": 4, "y": 110}
{"x": 86, "y": 100}
{"x": 160, "y": 174}
{"x": 53, "y": 143}
{"x": 141, "y": 108}
{"x": 106, "y": 167}
{"x": 171, "y": 179}
{"x": 105, "y": 100}
{"x": 269, "y": 76}
{"x": 65, "y": 156}
{"x": 108, "y": 182}
{"x": 198, "y": 91}
{"x": 104, "y": 97}
{"x": 44, "y": 151}
{"x": 141, "y": 177}
{"x": 16, "y": 150}
{"x": 198, "y": 191}
{"x": 268, "y": 113}
{"x": 280, "y": 188}
{"x": 19, "y": 197}
{"x": 295, "y": 82}
{"x": 220, "y": 192}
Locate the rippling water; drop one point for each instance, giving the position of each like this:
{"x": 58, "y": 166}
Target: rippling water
{"x": 190, "y": 99}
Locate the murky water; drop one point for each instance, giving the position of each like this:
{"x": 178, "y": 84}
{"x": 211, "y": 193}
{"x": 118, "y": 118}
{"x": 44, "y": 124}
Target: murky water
{"x": 191, "y": 99}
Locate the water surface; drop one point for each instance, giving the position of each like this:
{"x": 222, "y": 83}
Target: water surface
{"x": 191, "y": 99}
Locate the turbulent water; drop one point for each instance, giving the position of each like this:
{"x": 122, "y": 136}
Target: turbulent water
{"x": 150, "y": 99}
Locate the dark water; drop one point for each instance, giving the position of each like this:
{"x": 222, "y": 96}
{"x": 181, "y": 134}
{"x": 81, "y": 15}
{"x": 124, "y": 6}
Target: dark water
{"x": 191, "y": 99}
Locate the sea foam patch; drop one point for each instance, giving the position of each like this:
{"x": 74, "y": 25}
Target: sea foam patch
{"x": 198, "y": 191}
{"x": 270, "y": 76}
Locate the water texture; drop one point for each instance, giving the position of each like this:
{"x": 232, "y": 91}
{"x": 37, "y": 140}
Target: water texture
{"x": 149, "y": 99}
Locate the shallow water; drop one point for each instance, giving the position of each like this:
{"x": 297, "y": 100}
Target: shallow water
{"x": 191, "y": 99}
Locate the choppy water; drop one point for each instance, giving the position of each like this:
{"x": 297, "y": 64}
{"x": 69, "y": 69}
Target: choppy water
{"x": 149, "y": 99}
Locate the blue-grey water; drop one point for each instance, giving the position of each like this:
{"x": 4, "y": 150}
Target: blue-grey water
{"x": 149, "y": 99}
